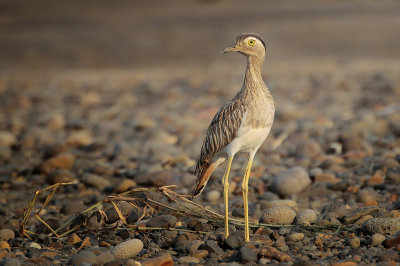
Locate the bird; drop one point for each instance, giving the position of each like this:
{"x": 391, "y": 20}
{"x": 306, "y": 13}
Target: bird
{"x": 241, "y": 125}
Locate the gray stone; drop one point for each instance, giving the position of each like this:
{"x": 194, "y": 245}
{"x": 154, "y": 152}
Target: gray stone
{"x": 83, "y": 257}
{"x": 278, "y": 215}
{"x": 10, "y": 262}
{"x": 384, "y": 226}
{"x": 105, "y": 257}
{"x": 164, "y": 221}
{"x": 247, "y": 254}
{"x": 308, "y": 148}
{"x": 291, "y": 181}
{"x": 95, "y": 181}
{"x": 125, "y": 208}
{"x": 235, "y": 239}
{"x": 6, "y": 234}
{"x": 212, "y": 247}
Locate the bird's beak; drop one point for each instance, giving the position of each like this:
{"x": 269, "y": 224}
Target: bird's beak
{"x": 231, "y": 49}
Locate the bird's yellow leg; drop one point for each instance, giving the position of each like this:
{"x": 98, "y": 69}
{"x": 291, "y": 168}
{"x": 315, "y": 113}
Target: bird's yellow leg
{"x": 245, "y": 188}
{"x": 225, "y": 183}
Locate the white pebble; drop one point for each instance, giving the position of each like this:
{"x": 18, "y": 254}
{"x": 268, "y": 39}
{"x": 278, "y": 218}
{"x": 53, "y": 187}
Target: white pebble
{"x": 213, "y": 196}
{"x": 127, "y": 249}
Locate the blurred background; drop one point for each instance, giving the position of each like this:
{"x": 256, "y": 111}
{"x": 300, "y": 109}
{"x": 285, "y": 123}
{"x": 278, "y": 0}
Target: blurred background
{"x": 44, "y": 34}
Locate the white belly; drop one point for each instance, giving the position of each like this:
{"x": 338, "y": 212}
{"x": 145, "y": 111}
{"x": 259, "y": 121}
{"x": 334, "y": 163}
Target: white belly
{"x": 247, "y": 140}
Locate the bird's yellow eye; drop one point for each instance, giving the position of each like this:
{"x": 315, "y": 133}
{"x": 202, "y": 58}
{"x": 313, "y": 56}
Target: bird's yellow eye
{"x": 252, "y": 42}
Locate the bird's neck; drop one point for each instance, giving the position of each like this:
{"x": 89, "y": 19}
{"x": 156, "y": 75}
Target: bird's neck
{"x": 253, "y": 76}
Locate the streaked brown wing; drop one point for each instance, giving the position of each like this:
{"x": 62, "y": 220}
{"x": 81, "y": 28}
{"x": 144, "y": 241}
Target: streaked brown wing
{"x": 220, "y": 133}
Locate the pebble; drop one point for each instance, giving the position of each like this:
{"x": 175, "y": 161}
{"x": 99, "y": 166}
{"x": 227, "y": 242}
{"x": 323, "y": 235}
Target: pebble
{"x": 384, "y": 226}
{"x": 200, "y": 253}
{"x": 213, "y": 196}
{"x": 366, "y": 195}
{"x": 247, "y": 254}
{"x": 73, "y": 207}
{"x": 308, "y": 148}
{"x": 127, "y": 249}
{"x": 290, "y": 182}
{"x": 306, "y": 217}
{"x": 35, "y": 245}
{"x": 125, "y": 185}
{"x": 295, "y": 237}
{"x": 10, "y": 262}
{"x": 6, "y": 234}
{"x": 163, "y": 259}
{"x": 188, "y": 259}
{"x": 354, "y": 242}
{"x": 83, "y": 257}
{"x": 60, "y": 161}
{"x": 377, "y": 239}
{"x": 95, "y": 181}
{"x": 278, "y": 215}
{"x": 326, "y": 178}
{"x": 125, "y": 208}
{"x": 164, "y": 221}
{"x": 358, "y": 213}
{"x": 104, "y": 257}
{"x": 60, "y": 176}
{"x": 212, "y": 247}
{"x": 7, "y": 139}
{"x": 79, "y": 138}
{"x": 235, "y": 239}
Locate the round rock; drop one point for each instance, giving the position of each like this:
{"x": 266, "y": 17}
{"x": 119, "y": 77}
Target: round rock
{"x": 291, "y": 181}
{"x": 127, "y": 249}
{"x": 10, "y": 262}
{"x": 6, "y": 234}
{"x": 295, "y": 237}
{"x": 278, "y": 215}
{"x": 83, "y": 257}
{"x": 308, "y": 148}
{"x": 354, "y": 242}
{"x": 384, "y": 226}
{"x": 377, "y": 239}
{"x": 306, "y": 217}
{"x": 213, "y": 196}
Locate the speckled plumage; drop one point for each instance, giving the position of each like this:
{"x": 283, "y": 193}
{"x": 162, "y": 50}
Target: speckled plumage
{"x": 252, "y": 108}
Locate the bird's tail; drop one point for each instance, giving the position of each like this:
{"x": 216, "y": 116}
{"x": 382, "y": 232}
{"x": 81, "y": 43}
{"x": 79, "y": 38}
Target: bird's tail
{"x": 203, "y": 177}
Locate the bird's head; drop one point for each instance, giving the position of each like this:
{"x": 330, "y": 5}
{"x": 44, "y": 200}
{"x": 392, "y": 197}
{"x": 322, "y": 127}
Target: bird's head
{"x": 249, "y": 44}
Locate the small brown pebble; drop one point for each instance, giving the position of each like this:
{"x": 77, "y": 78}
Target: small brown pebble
{"x": 49, "y": 254}
{"x": 163, "y": 259}
{"x": 326, "y": 178}
{"x": 5, "y": 245}
{"x": 345, "y": 263}
{"x": 3, "y": 253}
{"x": 200, "y": 253}
{"x": 125, "y": 185}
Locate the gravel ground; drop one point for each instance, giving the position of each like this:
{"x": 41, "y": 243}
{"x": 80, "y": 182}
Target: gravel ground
{"x": 324, "y": 187}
